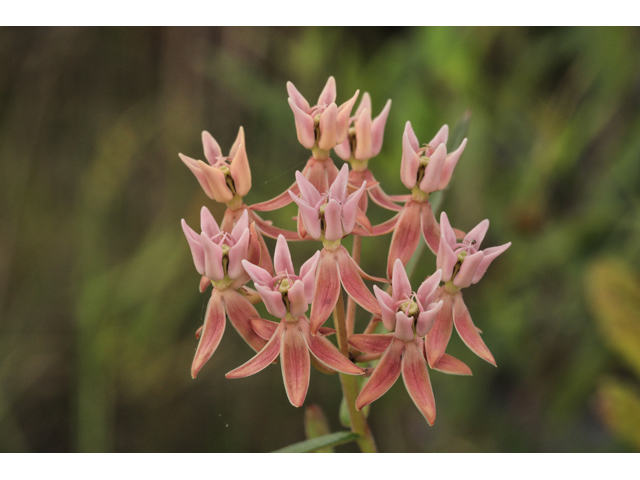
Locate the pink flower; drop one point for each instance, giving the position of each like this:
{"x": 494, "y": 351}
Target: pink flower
{"x": 364, "y": 139}
{"x": 324, "y": 125}
{"x": 462, "y": 264}
{"x": 410, "y": 315}
{"x": 329, "y": 216}
{"x": 225, "y": 177}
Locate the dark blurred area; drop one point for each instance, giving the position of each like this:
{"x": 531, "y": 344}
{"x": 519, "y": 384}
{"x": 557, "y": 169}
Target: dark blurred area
{"x": 99, "y": 297}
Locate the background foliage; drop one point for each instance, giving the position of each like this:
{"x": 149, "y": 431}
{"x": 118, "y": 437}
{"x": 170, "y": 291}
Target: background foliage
{"x": 98, "y": 293}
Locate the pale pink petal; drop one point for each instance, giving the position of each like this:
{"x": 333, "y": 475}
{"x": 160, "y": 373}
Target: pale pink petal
{"x": 264, "y": 328}
{"x": 467, "y": 330}
{"x": 304, "y": 126}
{"x": 400, "y": 281}
{"x": 263, "y": 359}
{"x": 332, "y": 220}
{"x": 411, "y": 137}
{"x": 326, "y": 353}
{"x": 282, "y": 257}
{"x": 327, "y": 127}
{"x": 195, "y": 169}
{"x": 240, "y": 312}
{"x": 430, "y": 228}
{"x": 211, "y": 148}
{"x": 371, "y": 343}
{"x": 237, "y": 253}
{"x": 353, "y": 284}
{"x": 258, "y": 275}
{"x": 406, "y": 236}
{"x": 365, "y": 102}
{"x": 297, "y": 98}
{"x": 434, "y": 169}
{"x": 211, "y": 334}
{"x": 297, "y": 299}
{"x": 208, "y": 223}
{"x": 278, "y": 202}
{"x": 343, "y": 150}
{"x": 446, "y": 259}
{"x": 204, "y": 283}
{"x": 384, "y": 376}
{"x": 379, "y": 197}
{"x": 439, "y": 335}
{"x": 240, "y": 171}
{"x": 477, "y": 233}
{"x": 364, "y": 150}
{"x": 450, "y": 164}
{"x": 338, "y": 188}
{"x": 351, "y": 213}
{"x": 328, "y": 94}
{"x": 377, "y": 129}
{"x": 416, "y": 379}
{"x": 427, "y": 291}
{"x": 452, "y": 366}
{"x": 342, "y": 120}
{"x": 327, "y": 290}
{"x": 309, "y": 216}
{"x": 212, "y": 259}
{"x": 446, "y": 230}
{"x": 217, "y": 182}
{"x": 307, "y": 190}
{"x": 195, "y": 245}
{"x": 440, "y": 138}
{"x": 404, "y": 327}
{"x": 490, "y": 254}
{"x": 386, "y": 307}
{"x": 410, "y": 162}
{"x": 427, "y": 318}
{"x": 272, "y": 301}
{"x": 238, "y": 142}
{"x": 308, "y": 275}
{"x": 241, "y": 225}
{"x": 386, "y": 227}
{"x": 295, "y": 362}
{"x": 468, "y": 269}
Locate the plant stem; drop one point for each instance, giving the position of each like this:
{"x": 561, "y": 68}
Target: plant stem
{"x": 349, "y": 384}
{"x": 351, "y": 304}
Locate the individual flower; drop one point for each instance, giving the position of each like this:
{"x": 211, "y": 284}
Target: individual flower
{"x": 410, "y": 316}
{"x": 325, "y": 124}
{"x": 218, "y": 255}
{"x": 286, "y": 296}
{"x": 462, "y": 264}
{"x": 424, "y": 170}
{"x": 224, "y": 179}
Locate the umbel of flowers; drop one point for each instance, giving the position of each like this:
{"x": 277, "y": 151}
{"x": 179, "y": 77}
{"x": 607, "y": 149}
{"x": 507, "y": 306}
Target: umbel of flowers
{"x": 409, "y": 329}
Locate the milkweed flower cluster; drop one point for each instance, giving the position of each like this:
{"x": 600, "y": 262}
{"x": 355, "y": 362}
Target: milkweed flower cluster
{"x": 410, "y": 328}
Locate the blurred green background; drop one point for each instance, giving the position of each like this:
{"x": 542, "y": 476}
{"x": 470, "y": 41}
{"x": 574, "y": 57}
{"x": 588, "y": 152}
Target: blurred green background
{"x": 98, "y": 292}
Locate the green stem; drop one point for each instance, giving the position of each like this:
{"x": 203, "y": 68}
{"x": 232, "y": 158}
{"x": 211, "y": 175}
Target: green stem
{"x": 350, "y": 387}
{"x": 351, "y": 304}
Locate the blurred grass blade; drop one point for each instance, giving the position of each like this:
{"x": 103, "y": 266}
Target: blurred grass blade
{"x": 620, "y": 408}
{"x": 337, "y": 438}
{"x": 316, "y": 425}
{"x": 459, "y": 132}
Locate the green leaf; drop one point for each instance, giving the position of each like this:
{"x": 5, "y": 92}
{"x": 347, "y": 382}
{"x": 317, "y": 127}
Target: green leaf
{"x": 337, "y": 438}
{"x": 613, "y": 293}
{"x": 620, "y": 408}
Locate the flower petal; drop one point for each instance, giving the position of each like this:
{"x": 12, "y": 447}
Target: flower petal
{"x": 272, "y": 301}
{"x": 307, "y": 190}
{"x": 490, "y": 254}
{"x": 217, "y": 182}
{"x": 410, "y": 161}
{"x": 426, "y": 292}
{"x": 430, "y": 228}
{"x": 387, "y": 309}
{"x": 195, "y": 169}
{"x": 238, "y": 142}
{"x": 195, "y": 245}
{"x": 343, "y": 150}
{"x": 214, "y": 323}
{"x": 327, "y": 354}
{"x": 427, "y": 318}
{"x": 386, "y": 227}
{"x": 309, "y": 216}
{"x": 211, "y": 148}
{"x": 327, "y": 290}
{"x": 240, "y": 171}
{"x": 344, "y": 114}
{"x": 332, "y": 220}
{"x": 258, "y": 274}
{"x": 282, "y": 257}
{"x": 452, "y": 366}
{"x": 438, "y": 337}
{"x": 351, "y": 212}
{"x": 416, "y": 379}
{"x": 404, "y": 327}
{"x": 450, "y": 164}
{"x": 240, "y": 312}
{"x": 212, "y": 258}
{"x": 328, "y": 94}
{"x": 297, "y": 299}
{"x": 304, "y": 126}
{"x": 381, "y": 198}
{"x": 353, "y": 283}
{"x": 433, "y": 170}
{"x": 371, "y": 343}
{"x": 384, "y": 376}
{"x": 297, "y": 98}
{"x": 440, "y": 138}
{"x": 405, "y": 236}
{"x": 338, "y": 188}
{"x": 467, "y": 330}
{"x": 446, "y": 230}
{"x": 377, "y": 129}
{"x": 400, "y": 282}
{"x": 295, "y": 362}
{"x": 264, "y": 328}
{"x": 328, "y": 139}
{"x": 468, "y": 269}
{"x": 262, "y": 359}
{"x": 208, "y": 224}
{"x": 477, "y": 233}
{"x": 364, "y": 150}
{"x": 308, "y": 275}
{"x": 237, "y": 253}
{"x": 278, "y": 202}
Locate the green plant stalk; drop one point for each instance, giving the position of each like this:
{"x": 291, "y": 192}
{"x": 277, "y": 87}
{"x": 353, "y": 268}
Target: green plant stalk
{"x": 349, "y": 385}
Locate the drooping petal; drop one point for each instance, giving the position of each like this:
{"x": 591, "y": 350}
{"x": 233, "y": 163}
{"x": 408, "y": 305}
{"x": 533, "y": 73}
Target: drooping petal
{"x": 405, "y": 236}
{"x": 468, "y": 269}
{"x": 430, "y": 228}
{"x": 427, "y": 291}
{"x": 208, "y": 224}
{"x": 353, "y": 283}
{"x": 278, "y": 202}
{"x": 467, "y": 330}
{"x": 211, "y": 148}
{"x": 377, "y": 129}
{"x": 304, "y": 126}
{"x": 440, "y": 138}
{"x": 214, "y": 323}
{"x": 295, "y": 362}
{"x": 328, "y": 138}
{"x": 452, "y": 366}
{"x": 386, "y": 227}
{"x": 333, "y": 220}
{"x": 266, "y": 228}
{"x": 434, "y": 169}
{"x": 427, "y": 318}
{"x": 381, "y": 198}
{"x": 264, "y": 328}
{"x": 477, "y": 233}
{"x": 404, "y": 327}
{"x": 297, "y": 98}
{"x": 240, "y": 171}
{"x": 327, "y": 354}
{"x": 297, "y": 299}
{"x": 384, "y": 376}
{"x": 217, "y": 182}
{"x": 327, "y": 290}
{"x": 416, "y": 379}
{"x": 450, "y": 164}
{"x": 237, "y": 253}
{"x": 490, "y": 254}
{"x": 371, "y": 343}
{"x": 400, "y": 281}
{"x": 263, "y": 359}
{"x": 410, "y": 162}
{"x": 240, "y": 312}
{"x": 440, "y": 333}
{"x": 195, "y": 245}
{"x": 363, "y": 135}
{"x": 388, "y": 313}
{"x": 212, "y": 258}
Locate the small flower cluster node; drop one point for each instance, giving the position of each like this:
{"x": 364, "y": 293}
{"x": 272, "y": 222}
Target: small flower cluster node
{"x": 409, "y": 330}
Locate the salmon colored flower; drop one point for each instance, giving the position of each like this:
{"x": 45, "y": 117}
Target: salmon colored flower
{"x": 224, "y": 179}
{"x": 462, "y": 264}
{"x": 410, "y": 315}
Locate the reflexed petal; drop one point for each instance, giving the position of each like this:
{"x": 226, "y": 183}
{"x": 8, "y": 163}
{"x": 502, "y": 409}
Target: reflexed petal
{"x": 264, "y": 328}
{"x": 297, "y": 98}
{"x": 258, "y": 274}
{"x": 308, "y": 275}
{"x": 195, "y": 245}
{"x": 377, "y": 129}
{"x": 371, "y": 343}
{"x": 440, "y": 138}
{"x": 378, "y": 196}
{"x": 278, "y": 202}
{"x": 297, "y": 299}
{"x": 263, "y": 359}
{"x": 452, "y": 366}
{"x": 217, "y": 182}
{"x": 295, "y": 362}
{"x": 430, "y": 228}
{"x": 426, "y": 292}
{"x": 353, "y": 284}
{"x": 405, "y": 236}
{"x": 332, "y": 220}
{"x": 467, "y": 330}
{"x": 212, "y": 259}
{"x": 386, "y": 307}
{"x": 266, "y": 228}
{"x": 404, "y": 327}
{"x": 363, "y": 135}
{"x": 434, "y": 169}
{"x": 304, "y": 126}
{"x": 240, "y": 312}
{"x": 477, "y": 233}
{"x": 328, "y": 94}
{"x": 327, "y": 126}
{"x": 468, "y": 270}
{"x": 327, "y": 353}
{"x": 438, "y": 337}
{"x": 327, "y": 290}
{"x": 240, "y": 171}
{"x": 490, "y": 254}
{"x": 384, "y": 376}
{"x": 237, "y": 253}
{"x": 427, "y": 318}
{"x": 309, "y": 216}
{"x": 400, "y": 282}
{"x": 272, "y": 301}
{"x": 214, "y": 323}
{"x": 450, "y": 164}
{"x": 282, "y": 257}
{"x": 211, "y": 148}
{"x": 410, "y": 162}
{"x": 386, "y": 227}
{"x": 416, "y": 379}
